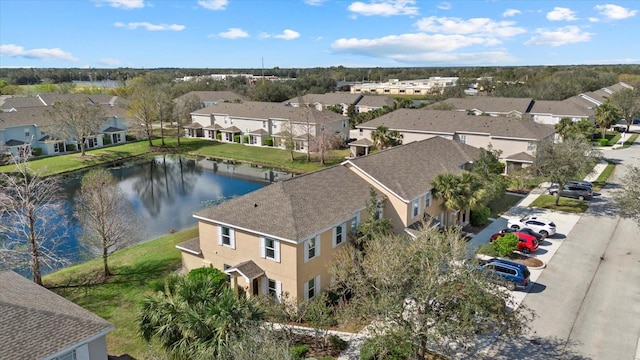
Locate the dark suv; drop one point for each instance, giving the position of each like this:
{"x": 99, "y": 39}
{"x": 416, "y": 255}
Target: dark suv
{"x": 514, "y": 275}
{"x": 572, "y": 190}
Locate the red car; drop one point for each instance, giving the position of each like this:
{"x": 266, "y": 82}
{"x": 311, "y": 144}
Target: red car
{"x": 527, "y": 244}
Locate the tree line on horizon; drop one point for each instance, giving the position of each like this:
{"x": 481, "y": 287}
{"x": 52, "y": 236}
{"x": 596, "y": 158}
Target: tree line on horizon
{"x": 539, "y": 82}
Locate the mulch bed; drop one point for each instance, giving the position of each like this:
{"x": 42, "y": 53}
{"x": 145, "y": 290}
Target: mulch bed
{"x": 526, "y": 260}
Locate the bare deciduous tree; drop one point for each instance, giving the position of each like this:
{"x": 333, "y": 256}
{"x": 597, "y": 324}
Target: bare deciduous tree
{"x": 182, "y": 111}
{"x": 108, "y": 220}
{"x": 76, "y": 120}
{"x": 31, "y": 225}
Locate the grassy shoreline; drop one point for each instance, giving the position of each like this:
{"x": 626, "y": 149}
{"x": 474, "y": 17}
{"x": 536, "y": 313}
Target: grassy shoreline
{"x": 138, "y": 271}
{"x": 270, "y": 157}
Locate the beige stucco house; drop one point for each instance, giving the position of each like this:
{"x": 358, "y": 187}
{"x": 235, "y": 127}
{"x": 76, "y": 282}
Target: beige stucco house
{"x": 39, "y": 324}
{"x": 488, "y": 105}
{"x": 252, "y": 122}
{"x": 361, "y": 103}
{"x": 515, "y": 138}
{"x": 281, "y": 238}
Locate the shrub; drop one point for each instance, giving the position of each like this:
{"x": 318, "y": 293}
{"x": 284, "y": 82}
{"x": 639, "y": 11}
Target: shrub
{"x": 36, "y": 151}
{"x": 506, "y": 244}
{"x": 388, "y": 347}
{"x": 268, "y": 141}
{"x": 219, "y": 136}
{"x": 70, "y": 147}
{"x": 214, "y": 274}
{"x": 299, "y": 351}
{"x": 487, "y": 249}
{"x": 106, "y": 140}
{"x": 236, "y": 138}
{"x": 129, "y": 137}
{"x": 603, "y": 142}
{"x": 245, "y": 139}
{"x": 480, "y": 216}
{"x": 337, "y": 342}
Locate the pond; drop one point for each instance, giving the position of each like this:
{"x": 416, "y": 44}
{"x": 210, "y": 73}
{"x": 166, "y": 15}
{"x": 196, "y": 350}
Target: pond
{"x": 166, "y": 190}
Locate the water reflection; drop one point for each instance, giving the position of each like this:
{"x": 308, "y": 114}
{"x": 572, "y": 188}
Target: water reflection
{"x": 166, "y": 190}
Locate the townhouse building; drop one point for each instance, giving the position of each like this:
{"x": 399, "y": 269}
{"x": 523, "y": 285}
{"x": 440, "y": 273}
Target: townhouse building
{"x": 516, "y": 139}
{"x": 361, "y": 103}
{"x": 281, "y": 238}
{"x": 252, "y": 123}
{"x": 25, "y": 123}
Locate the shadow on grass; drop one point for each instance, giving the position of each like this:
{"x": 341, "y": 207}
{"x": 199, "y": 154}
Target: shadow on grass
{"x": 539, "y": 348}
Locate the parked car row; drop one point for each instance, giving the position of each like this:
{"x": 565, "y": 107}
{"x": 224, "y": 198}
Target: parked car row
{"x": 511, "y": 274}
{"x": 576, "y": 189}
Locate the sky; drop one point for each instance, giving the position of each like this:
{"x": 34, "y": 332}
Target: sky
{"x": 316, "y": 33}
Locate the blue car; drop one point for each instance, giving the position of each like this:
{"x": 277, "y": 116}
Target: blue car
{"x": 514, "y": 275}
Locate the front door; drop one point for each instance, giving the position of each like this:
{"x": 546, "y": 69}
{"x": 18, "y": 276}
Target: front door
{"x": 256, "y": 287}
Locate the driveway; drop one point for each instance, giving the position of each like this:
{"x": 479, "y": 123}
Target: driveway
{"x": 587, "y": 300}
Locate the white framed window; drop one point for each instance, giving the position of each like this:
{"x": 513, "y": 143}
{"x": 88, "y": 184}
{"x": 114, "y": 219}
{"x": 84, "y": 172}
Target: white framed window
{"x": 312, "y": 288}
{"x": 226, "y": 236}
{"x": 531, "y": 146}
{"x": 355, "y": 221}
{"x": 270, "y": 249}
{"x": 264, "y": 124}
{"x": 379, "y": 211}
{"x": 58, "y": 147}
{"x": 415, "y": 207}
{"x": 361, "y": 132}
{"x": 272, "y": 287}
{"x": 339, "y": 234}
{"x": 71, "y": 355}
{"x": 311, "y": 248}
{"x": 27, "y": 133}
{"x": 463, "y": 139}
{"x": 427, "y": 201}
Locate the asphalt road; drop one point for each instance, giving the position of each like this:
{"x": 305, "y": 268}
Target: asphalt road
{"x": 587, "y": 300}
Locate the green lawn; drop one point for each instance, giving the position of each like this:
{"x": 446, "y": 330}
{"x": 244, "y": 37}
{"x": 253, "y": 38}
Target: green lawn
{"x": 278, "y": 158}
{"x": 137, "y": 269}
{"x": 500, "y": 205}
{"x": 565, "y": 204}
{"x": 604, "y": 176}
{"x": 630, "y": 141}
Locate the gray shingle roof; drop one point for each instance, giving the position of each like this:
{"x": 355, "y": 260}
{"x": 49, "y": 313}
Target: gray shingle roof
{"x": 37, "y": 323}
{"x": 207, "y": 96}
{"x": 559, "y": 108}
{"x": 408, "y": 170}
{"x": 491, "y": 104}
{"x": 191, "y": 245}
{"x": 451, "y": 122}
{"x": 247, "y": 268}
{"x": 345, "y": 98}
{"x": 521, "y": 156}
{"x": 296, "y": 208}
{"x": 39, "y": 115}
{"x": 268, "y": 110}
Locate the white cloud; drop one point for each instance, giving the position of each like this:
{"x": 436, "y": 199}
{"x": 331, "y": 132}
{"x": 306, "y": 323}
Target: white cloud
{"x": 214, "y": 4}
{"x": 421, "y": 48}
{"x": 474, "y": 27}
{"x": 109, "y": 62}
{"x": 615, "y": 12}
{"x": 314, "y": 2}
{"x": 594, "y": 19}
{"x": 122, "y": 4}
{"x": 511, "y": 12}
{"x": 12, "y": 50}
{"x": 384, "y": 8}
{"x": 234, "y": 33}
{"x": 444, "y": 6}
{"x": 560, "y": 36}
{"x": 561, "y": 14}
{"x": 288, "y": 34}
{"x": 150, "y": 26}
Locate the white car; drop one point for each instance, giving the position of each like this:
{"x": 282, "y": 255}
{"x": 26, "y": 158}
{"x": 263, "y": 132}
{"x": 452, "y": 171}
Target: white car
{"x": 544, "y": 227}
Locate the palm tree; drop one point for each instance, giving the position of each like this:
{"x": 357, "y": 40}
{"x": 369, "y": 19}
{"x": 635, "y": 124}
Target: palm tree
{"x": 196, "y": 317}
{"x": 383, "y": 137}
{"x": 606, "y": 115}
{"x": 458, "y": 192}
